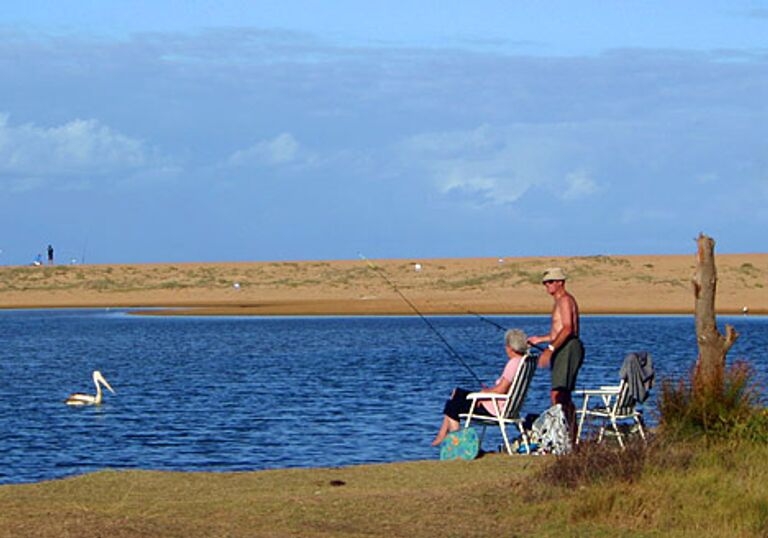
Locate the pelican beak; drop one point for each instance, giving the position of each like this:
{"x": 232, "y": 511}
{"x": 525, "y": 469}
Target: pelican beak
{"x": 108, "y": 387}
{"x": 100, "y": 379}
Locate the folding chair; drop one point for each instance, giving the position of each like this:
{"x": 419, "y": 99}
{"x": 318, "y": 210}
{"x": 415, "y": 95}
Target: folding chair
{"x": 616, "y": 404}
{"x": 506, "y": 406}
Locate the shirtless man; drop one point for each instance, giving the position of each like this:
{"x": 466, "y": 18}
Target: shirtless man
{"x": 565, "y": 352}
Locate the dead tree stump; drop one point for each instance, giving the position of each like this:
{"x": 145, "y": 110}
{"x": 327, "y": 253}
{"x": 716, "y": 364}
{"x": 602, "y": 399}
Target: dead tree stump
{"x": 713, "y": 346}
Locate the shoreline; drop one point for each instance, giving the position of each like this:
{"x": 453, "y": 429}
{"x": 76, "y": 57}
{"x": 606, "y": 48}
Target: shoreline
{"x": 331, "y": 309}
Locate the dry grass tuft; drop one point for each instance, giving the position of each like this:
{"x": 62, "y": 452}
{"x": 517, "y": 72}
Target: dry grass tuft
{"x": 591, "y": 463}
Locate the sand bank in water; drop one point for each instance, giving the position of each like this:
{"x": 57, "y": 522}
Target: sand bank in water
{"x": 602, "y": 285}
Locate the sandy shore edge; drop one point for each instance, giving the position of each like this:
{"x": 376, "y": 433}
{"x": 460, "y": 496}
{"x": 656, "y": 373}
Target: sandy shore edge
{"x": 367, "y": 308}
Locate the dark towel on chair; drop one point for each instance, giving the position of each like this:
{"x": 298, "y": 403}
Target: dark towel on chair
{"x": 638, "y": 371}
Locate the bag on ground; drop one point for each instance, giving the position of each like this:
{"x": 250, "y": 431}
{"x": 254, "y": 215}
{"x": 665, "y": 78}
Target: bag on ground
{"x": 463, "y": 444}
{"x": 550, "y": 432}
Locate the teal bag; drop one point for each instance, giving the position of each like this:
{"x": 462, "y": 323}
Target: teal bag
{"x": 463, "y": 444}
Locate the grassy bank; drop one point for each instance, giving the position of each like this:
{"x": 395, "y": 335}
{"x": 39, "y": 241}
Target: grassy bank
{"x": 685, "y": 491}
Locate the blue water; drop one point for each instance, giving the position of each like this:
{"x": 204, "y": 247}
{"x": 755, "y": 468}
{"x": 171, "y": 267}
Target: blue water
{"x": 246, "y": 393}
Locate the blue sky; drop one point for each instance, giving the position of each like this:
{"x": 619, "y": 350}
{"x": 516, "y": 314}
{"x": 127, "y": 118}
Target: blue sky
{"x": 232, "y": 130}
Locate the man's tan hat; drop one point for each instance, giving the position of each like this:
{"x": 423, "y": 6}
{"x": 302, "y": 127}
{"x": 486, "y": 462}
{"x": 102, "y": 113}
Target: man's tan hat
{"x": 553, "y": 273}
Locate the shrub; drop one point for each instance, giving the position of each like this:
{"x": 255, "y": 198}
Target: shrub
{"x": 592, "y": 462}
{"x": 723, "y": 406}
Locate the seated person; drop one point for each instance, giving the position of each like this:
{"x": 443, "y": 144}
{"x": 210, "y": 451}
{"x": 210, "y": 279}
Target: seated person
{"x": 516, "y": 345}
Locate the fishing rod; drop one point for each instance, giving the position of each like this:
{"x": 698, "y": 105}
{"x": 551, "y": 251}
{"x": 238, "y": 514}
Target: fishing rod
{"x": 482, "y": 317}
{"x": 500, "y": 327}
{"x": 455, "y": 354}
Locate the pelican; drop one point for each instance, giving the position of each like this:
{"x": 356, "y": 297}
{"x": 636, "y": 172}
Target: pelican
{"x": 88, "y": 399}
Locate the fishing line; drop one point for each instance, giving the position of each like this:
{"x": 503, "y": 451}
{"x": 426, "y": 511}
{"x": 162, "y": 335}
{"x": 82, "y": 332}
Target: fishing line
{"x": 448, "y": 346}
{"x": 468, "y": 311}
{"x": 500, "y": 327}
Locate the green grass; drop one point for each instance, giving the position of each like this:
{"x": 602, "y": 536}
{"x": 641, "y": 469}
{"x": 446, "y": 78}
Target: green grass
{"x": 101, "y": 284}
{"x": 291, "y": 283}
{"x": 690, "y": 489}
{"x": 346, "y": 277}
{"x": 173, "y": 284}
{"x": 654, "y": 281}
{"x": 604, "y": 260}
{"x": 749, "y": 269}
{"x": 513, "y": 275}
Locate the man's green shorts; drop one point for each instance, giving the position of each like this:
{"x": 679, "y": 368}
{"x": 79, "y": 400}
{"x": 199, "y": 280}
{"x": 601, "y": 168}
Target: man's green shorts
{"x": 566, "y": 362}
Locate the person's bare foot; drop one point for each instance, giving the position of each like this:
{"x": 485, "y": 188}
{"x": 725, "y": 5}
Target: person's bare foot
{"x": 438, "y": 439}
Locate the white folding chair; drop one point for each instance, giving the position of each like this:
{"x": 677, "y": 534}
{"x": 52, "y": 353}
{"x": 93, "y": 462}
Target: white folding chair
{"x": 506, "y": 406}
{"x": 615, "y": 404}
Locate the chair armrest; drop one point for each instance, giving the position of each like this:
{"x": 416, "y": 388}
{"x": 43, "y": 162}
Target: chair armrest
{"x": 602, "y": 391}
{"x": 485, "y": 396}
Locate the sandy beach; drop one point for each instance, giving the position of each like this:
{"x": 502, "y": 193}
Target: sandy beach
{"x": 603, "y": 285}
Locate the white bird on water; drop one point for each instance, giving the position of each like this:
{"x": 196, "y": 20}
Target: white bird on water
{"x": 89, "y": 399}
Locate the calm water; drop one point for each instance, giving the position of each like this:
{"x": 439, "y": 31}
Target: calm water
{"x": 228, "y": 394}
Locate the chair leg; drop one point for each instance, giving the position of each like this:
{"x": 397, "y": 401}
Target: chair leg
{"x": 602, "y": 432}
{"x": 640, "y": 428}
{"x": 506, "y": 439}
{"x": 581, "y": 420}
{"x": 580, "y": 428}
{"x": 618, "y": 433}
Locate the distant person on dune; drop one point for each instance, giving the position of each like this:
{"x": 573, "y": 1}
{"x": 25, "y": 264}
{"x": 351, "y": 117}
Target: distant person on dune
{"x": 50, "y": 255}
{"x": 516, "y": 345}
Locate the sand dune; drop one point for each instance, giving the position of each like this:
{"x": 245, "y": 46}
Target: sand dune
{"x": 602, "y": 284}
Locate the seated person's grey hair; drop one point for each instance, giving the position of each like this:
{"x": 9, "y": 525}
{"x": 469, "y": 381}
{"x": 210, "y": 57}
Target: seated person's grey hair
{"x": 517, "y": 340}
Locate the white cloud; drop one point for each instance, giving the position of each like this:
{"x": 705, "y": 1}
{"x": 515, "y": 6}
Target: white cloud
{"x": 31, "y": 156}
{"x": 578, "y": 185}
{"x": 75, "y": 146}
{"x": 480, "y": 190}
{"x": 498, "y": 165}
{"x": 475, "y": 166}
{"x": 282, "y": 149}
